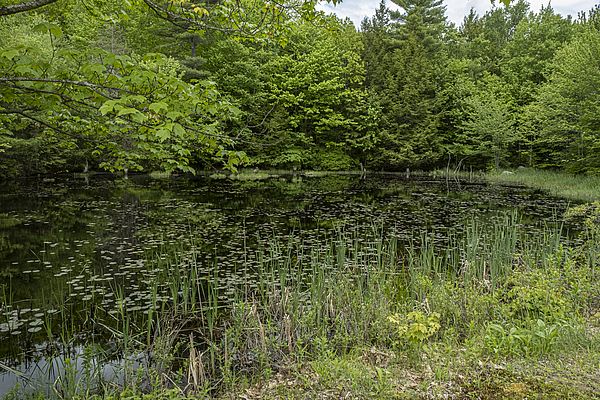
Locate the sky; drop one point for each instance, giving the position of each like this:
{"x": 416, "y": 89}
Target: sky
{"x": 356, "y": 10}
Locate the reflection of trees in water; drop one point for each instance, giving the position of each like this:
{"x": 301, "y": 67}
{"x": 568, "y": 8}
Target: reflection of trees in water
{"x": 100, "y": 229}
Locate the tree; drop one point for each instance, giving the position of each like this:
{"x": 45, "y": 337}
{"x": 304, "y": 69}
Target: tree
{"x": 567, "y": 108}
{"x": 136, "y": 111}
{"x": 526, "y": 66}
{"x": 376, "y": 33}
{"x": 484, "y": 38}
{"x": 405, "y": 80}
{"x": 133, "y": 112}
{"x": 24, "y": 7}
{"x": 489, "y": 123}
{"x": 528, "y": 54}
{"x": 305, "y": 102}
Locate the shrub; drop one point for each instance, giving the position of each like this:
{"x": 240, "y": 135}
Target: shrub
{"x": 415, "y": 327}
{"x": 533, "y": 338}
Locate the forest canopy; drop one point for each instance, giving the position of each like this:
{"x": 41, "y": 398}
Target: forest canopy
{"x": 146, "y": 85}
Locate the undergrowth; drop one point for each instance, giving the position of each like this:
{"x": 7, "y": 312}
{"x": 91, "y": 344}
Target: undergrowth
{"x": 470, "y": 314}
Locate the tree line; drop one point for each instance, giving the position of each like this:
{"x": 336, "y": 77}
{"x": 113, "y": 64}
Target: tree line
{"x": 180, "y": 86}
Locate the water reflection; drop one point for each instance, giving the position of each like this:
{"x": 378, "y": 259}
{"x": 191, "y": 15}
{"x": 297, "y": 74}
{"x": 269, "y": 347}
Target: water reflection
{"x": 74, "y": 252}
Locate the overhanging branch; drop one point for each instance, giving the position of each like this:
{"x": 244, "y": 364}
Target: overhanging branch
{"x": 94, "y": 87}
{"x": 24, "y": 7}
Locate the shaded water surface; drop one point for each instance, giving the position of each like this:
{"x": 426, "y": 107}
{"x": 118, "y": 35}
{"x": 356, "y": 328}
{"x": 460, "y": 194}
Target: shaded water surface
{"x": 73, "y": 251}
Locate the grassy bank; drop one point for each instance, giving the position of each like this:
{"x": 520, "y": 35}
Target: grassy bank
{"x": 493, "y": 311}
{"x": 577, "y": 187}
{"x": 560, "y": 184}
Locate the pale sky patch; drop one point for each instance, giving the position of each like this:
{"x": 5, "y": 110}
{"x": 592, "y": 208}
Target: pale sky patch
{"x": 357, "y": 10}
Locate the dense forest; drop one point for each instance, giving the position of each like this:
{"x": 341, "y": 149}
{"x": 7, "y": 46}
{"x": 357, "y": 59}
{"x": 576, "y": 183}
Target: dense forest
{"x": 178, "y": 86}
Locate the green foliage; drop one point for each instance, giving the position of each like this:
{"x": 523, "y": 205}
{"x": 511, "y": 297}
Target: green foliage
{"x": 292, "y": 158}
{"x": 504, "y": 58}
{"x": 587, "y": 215}
{"x": 406, "y": 72}
{"x": 333, "y": 160}
{"x": 535, "y": 339}
{"x": 120, "y": 110}
{"x": 353, "y": 376}
{"x": 173, "y": 394}
{"x": 534, "y": 295}
{"x": 489, "y": 123}
{"x": 43, "y": 154}
{"x": 303, "y": 99}
{"x": 529, "y": 53}
{"x": 113, "y": 103}
{"x": 567, "y": 107}
{"x": 463, "y": 310}
{"x": 415, "y": 327}
{"x": 294, "y": 88}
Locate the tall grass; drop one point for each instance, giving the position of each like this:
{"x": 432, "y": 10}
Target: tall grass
{"x": 576, "y": 187}
{"x": 339, "y": 294}
{"x": 343, "y": 290}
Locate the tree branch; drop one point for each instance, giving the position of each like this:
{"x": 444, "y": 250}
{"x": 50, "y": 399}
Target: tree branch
{"x": 244, "y": 28}
{"x": 23, "y": 7}
{"x": 34, "y": 119}
{"x": 181, "y": 21}
{"x": 95, "y": 88}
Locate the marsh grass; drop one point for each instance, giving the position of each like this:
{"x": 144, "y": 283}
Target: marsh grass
{"x": 576, "y": 187}
{"x": 339, "y": 296}
{"x": 495, "y": 288}
{"x": 559, "y": 184}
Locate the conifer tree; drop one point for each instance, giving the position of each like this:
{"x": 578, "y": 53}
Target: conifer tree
{"x": 406, "y": 80}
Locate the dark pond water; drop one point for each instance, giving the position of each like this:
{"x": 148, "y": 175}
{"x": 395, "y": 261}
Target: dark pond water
{"x": 69, "y": 245}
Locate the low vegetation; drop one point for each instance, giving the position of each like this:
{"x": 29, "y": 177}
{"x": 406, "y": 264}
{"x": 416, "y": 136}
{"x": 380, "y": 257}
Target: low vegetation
{"x": 495, "y": 310}
{"x": 580, "y": 188}
{"x": 560, "y": 184}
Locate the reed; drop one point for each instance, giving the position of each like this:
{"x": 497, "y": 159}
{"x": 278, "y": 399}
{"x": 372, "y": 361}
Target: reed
{"x": 340, "y": 293}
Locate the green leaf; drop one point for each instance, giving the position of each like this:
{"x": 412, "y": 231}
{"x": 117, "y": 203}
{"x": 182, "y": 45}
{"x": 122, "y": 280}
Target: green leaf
{"x": 173, "y": 115}
{"x": 157, "y": 107}
{"x": 126, "y": 111}
{"x": 10, "y": 53}
{"x": 94, "y": 68}
{"x": 46, "y": 27}
{"x": 55, "y": 30}
{"x": 41, "y": 28}
{"x": 178, "y": 130}
{"x": 137, "y": 98}
{"x": 163, "y": 134}
{"x": 139, "y": 117}
{"x": 107, "y": 107}
{"x": 26, "y": 70}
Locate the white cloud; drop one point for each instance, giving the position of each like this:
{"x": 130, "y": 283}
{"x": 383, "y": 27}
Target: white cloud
{"x": 357, "y": 10}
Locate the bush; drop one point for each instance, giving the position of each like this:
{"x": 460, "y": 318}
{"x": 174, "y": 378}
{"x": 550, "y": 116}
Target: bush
{"x": 415, "y": 327}
{"x": 534, "y": 338}
{"x": 534, "y": 295}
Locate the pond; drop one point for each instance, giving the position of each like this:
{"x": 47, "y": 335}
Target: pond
{"x": 74, "y": 251}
